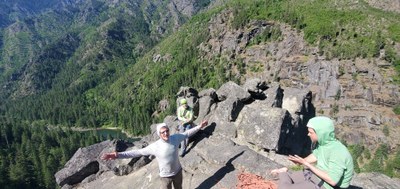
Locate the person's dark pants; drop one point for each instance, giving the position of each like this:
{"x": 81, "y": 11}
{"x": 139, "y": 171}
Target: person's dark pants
{"x": 176, "y": 180}
{"x": 299, "y": 180}
{"x": 185, "y": 142}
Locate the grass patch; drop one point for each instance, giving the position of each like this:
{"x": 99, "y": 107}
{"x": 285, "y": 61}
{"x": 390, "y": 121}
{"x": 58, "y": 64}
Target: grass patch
{"x": 396, "y": 110}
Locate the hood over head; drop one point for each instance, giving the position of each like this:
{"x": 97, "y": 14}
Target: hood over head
{"x": 183, "y": 101}
{"x": 324, "y": 128}
{"x": 159, "y": 126}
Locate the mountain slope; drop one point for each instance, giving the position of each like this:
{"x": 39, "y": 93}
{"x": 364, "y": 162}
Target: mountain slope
{"x": 349, "y": 66}
{"x": 101, "y": 63}
{"x": 11, "y": 11}
{"x": 109, "y": 37}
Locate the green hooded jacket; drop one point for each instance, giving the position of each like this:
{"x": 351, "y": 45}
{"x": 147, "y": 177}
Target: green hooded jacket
{"x": 332, "y": 156}
{"x": 185, "y": 114}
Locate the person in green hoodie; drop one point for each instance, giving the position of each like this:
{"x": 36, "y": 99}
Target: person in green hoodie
{"x": 185, "y": 116}
{"x": 330, "y": 164}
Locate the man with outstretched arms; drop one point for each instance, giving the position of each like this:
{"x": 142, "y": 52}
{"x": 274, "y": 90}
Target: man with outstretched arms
{"x": 165, "y": 150}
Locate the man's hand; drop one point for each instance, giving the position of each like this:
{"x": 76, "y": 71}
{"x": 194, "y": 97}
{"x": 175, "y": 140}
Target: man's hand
{"x": 204, "y": 123}
{"x": 298, "y": 160}
{"x": 311, "y": 158}
{"x": 109, "y": 156}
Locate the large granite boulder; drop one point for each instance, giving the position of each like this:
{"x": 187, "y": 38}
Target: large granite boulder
{"x": 231, "y": 89}
{"x": 84, "y": 163}
{"x": 267, "y": 128}
{"x": 250, "y": 129}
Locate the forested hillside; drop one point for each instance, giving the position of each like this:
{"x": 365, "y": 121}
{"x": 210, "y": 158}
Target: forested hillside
{"x": 99, "y": 63}
{"x": 31, "y": 153}
{"x": 11, "y": 11}
{"x": 58, "y": 59}
{"x": 54, "y": 61}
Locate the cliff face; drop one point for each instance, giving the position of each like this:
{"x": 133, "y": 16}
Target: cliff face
{"x": 247, "y": 129}
{"x": 358, "y": 93}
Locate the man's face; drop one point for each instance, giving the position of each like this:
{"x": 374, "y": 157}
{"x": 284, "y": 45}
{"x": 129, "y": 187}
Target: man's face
{"x": 164, "y": 133}
{"x": 313, "y": 136}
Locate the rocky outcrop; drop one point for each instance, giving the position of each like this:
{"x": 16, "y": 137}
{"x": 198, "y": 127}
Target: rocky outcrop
{"x": 358, "y": 93}
{"x": 239, "y": 124}
{"x": 375, "y": 180}
{"x": 252, "y": 126}
{"x": 84, "y": 163}
{"x": 245, "y": 134}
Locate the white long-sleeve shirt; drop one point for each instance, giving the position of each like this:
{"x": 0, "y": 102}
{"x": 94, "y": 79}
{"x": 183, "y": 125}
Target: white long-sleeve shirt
{"x": 166, "y": 152}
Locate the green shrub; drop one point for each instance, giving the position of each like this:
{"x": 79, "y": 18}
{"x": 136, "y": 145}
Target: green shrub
{"x": 385, "y": 130}
{"x": 335, "y": 109}
{"x": 394, "y": 30}
{"x": 396, "y": 110}
{"x": 367, "y": 153}
{"x": 296, "y": 168}
{"x": 356, "y": 151}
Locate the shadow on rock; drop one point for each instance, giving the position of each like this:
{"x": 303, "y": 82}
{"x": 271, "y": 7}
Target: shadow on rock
{"x": 218, "y": 175}
{"x": 206, "y": 133}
